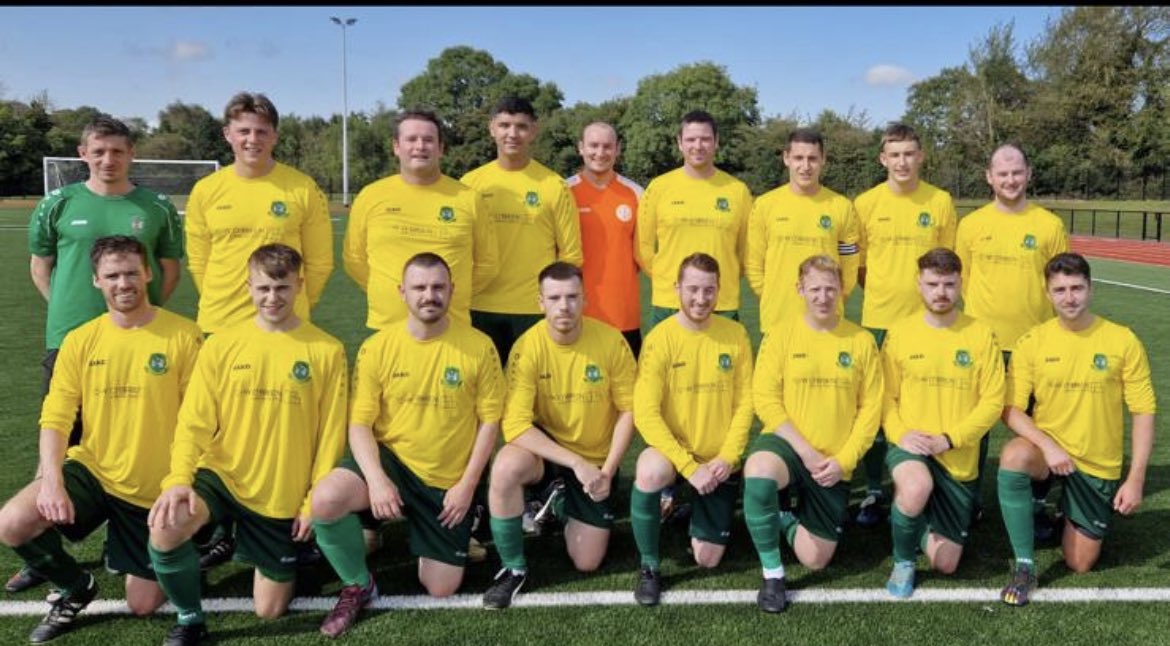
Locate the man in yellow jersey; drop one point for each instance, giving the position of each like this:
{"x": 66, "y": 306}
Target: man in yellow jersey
{"x": 419, "y": 209}
{"x": 944, "y": 391}
{"x": 569, "y": 417}
{"x": 818, "y": 390}
{"x": 693, "y": 406}
{"x": 254, "y": 201}
{"x": 428, "y": 394}
{"x": 899, "y": 220}
{"x": 1004, "y": 247}
{"x": 608, "y": 205}
{"x": 127, "y": 370}
{"x": 62, "y": 230}
{"x": 794, "y": 221}
{"x": 696, "y": 208}
{"x": 1080, "y": 367}
{"x": 536, "y": 223}
{"x": 263, "y": 420}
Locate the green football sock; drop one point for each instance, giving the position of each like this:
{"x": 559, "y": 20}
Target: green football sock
{"x": 789, "y": 523}
{"x": 761, "y": 513}
{"x": 342, "y": 544}
{"x": 906, "y": 532}
{"x": 508, "y": 534}
{"x": 178, "y": 575}
{"x": 645, "y": 518}
{"x": 874, "y": 461}
{"x": 1040, "y": 489}
{"x": 1015, "y": 504}
{"x": 47, "y": 555}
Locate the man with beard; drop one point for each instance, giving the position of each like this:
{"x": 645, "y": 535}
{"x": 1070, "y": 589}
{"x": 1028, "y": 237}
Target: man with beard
{"x": 428, "y": 394}
{"x": 944, "y": 391}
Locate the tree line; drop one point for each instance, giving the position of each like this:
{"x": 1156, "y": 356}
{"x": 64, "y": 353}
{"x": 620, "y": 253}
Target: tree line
{"x": 1088, "y": 101}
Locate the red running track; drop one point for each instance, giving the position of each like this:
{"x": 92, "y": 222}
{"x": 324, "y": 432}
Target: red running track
{"x": 1147, "y": 252}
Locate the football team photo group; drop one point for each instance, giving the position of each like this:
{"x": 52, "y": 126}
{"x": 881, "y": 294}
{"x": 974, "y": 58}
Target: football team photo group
{"x": 506, "y": 385}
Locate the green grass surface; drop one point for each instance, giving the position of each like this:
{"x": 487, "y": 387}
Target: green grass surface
{"x": 1137, "y": 552}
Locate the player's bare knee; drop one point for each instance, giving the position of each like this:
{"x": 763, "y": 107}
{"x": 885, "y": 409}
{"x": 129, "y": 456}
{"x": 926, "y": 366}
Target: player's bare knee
{"x": 1017, "y": 455}
{"x": 708, "y": 556}
{"x": 945, "y": 564}
{"x": 1080, "y": 563}
{"x": 328, "y": 503}
{"x": 144, "y": 605}
{"x": 442, "y": 587}
{"x": 271, "y": 608}
{"x": 586, "y": 563}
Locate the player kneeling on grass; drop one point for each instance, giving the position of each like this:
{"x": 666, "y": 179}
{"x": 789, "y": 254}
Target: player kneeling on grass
{"x": 263, "y": 420}
{"x": 944, "y": 391}
{"x": 569, "y": 415}
{"x": 818, "y": 390}
{"x": 1080, "y": 367}
{"x": 127, "y": 370}
{"x": 428, "y": 393}
{"x": 693, "y": 406}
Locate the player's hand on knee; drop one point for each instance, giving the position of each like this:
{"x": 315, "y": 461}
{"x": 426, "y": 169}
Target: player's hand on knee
{"x": 302, "y": 528}
{"x": 587, "y": 475}
{"x": 720, "y": 469}
{"x": 916, "y": 442}
{"x": 703, "y": 480}
{"x": 385, "y": 501}
{"x": 165, "y": 511}
{"x": 601, "y": 488}
{"x": 53, "y": 503}
{"x": 1058, "y": 460}
{"x": 827, "y": 473}
{"x": 456, "y": 502}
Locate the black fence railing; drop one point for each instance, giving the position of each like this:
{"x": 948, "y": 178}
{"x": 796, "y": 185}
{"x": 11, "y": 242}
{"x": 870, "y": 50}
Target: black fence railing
{"x": 1111, "y": 223}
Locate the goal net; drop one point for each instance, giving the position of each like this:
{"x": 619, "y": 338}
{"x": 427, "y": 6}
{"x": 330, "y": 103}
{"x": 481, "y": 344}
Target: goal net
{"x": 171, "y": 177}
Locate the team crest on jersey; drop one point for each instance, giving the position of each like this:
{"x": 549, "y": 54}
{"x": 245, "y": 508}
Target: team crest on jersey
{"x": 592, "y": 373}
{"x": 1100, "y": 362}
{"x": 725, "y": 362}
{"x": 300, "y": 371}
{"x": 1029, "y": 241}
{"x": 624, "y": 212}
{"x": 451, "y": 377}
{"x": 924, "y": 220}
{"x": 721, "y": 204}
{"x": 532, "y": 199}
{"x": 137, "y": 224}
{"x": 447, "y": 214}
{"x": 845, "y": 360}
{"x": 278, "y": 209}
{"x": 157, "y": 364}
{"x": 962, "y": 358}
{"x": 825, "y": 222}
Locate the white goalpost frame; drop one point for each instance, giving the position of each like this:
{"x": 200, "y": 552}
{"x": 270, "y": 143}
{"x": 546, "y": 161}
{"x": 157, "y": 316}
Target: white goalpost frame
{"x": 57, "y": 162}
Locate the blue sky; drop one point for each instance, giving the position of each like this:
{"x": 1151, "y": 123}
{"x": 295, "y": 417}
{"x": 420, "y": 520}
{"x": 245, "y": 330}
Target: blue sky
{"x": 133, "y": 61}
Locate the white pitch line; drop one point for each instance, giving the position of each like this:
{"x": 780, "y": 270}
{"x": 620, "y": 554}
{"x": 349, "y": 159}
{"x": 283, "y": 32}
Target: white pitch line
{"x": 626, "y": 598}
{"x": 1131, "y": 286}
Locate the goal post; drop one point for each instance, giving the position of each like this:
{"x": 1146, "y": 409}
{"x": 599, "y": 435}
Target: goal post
{"x": 171, "y": 177}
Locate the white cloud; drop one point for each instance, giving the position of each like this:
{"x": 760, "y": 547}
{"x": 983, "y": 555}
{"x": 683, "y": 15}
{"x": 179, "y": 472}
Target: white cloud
{"x": 888, "y": 75}
{"x": 187, "y": 50}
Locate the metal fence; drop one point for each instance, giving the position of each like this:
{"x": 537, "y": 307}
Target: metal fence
{"x": 1111, "y": 223}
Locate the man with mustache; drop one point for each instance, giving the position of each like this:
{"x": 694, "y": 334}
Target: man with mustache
{"x": 944, "y": 391}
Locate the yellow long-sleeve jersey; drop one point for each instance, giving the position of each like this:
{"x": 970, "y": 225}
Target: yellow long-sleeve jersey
{"x": 943, "y": 381}
{"x": 693, "y": 394}
{"x": 392, "y": 220}
{"x": 1080, "y": 380}
{"x": 827, "y": 384}
{"x": 895, "y": 231}
{"x": 129, "y": 384}
{"x": 425, "y": 400}
{"x": 229, "y": 216}
{"x": 1003, "y": 258}
{"x": 536, "y": 223}
{"x": 265, "y": 411}
{"x": 679, "y": 215}
{"x": 783, "y": 231}
{"x": 573, "y": 392}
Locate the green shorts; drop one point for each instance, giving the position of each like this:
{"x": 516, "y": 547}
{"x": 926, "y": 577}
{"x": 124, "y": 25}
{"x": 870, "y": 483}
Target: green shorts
{"x": 660, "y": 314}
{"x": 423, "y": 504}
{"x": 126, "y": 532}
{"x": 820, "y": 509}
{"x": 262, "y": 542}
{"x": 952, "y": 503}
{"x": 713, "y": 514}
{"x": 1087, "y": 501}
{"x": 575, "y": 503}
{"x": 504, "y": 329}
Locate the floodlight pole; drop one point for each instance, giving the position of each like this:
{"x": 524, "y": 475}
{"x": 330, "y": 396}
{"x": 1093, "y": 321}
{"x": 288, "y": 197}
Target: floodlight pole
{"x": 343, "y": 23}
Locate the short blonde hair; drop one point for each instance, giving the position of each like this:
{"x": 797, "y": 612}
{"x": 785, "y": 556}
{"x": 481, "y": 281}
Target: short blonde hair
{"x": 821, "y": 262}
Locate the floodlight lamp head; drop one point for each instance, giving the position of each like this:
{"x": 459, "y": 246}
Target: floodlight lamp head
{"x": 335, "y": 19}
{"x": 350, "y": 21}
